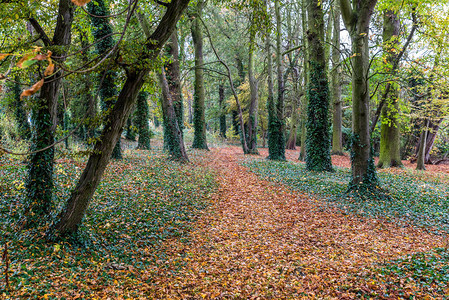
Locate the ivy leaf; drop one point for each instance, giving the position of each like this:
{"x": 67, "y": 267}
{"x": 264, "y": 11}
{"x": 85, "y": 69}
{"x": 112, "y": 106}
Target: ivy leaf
{"x": 36, "y": 87}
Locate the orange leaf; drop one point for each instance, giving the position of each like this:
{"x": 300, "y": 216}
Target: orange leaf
{"x": 50, "y": 69}
{"x": 36, "y": 87}
{"x": 80, "y": 2}
{"x": 3, "y": 55}
{"x": 40, "y": 57}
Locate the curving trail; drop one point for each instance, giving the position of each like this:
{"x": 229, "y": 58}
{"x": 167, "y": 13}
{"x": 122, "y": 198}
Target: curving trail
{"x": 260, "y": 240}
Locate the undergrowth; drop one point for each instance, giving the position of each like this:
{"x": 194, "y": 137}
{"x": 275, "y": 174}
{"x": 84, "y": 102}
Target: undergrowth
{"x": 143, "y": 201}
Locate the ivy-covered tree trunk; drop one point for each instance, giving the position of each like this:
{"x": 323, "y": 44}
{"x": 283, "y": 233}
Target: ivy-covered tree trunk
{"x": 175, "y": 141}
{"x": 390, "y": 155}
{"x": 199, "y": 119}
{"x": 357, "y": 18}
{"x": 174, "y": 79}
{"x": 75, "y": 208}
{"x": 276, "y": 138}
{"x": 254, "y": 100}
{"x": 102, "y": 32}
{"x": 130, "y": 132}
{"x": 143, "y": 115}
{"x": 221, "y": 104}
{"x": 337, "y": 137}
{"x": 318, "y": 139}
{"x": 39, "y": 183}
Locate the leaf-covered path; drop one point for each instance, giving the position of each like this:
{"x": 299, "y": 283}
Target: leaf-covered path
{"x": 260, "y": 240}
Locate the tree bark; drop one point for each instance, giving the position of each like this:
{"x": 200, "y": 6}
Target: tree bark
{"x": 318, "y": 139}
{"x": 337, "y": 138}
{"x": 420, "y": 163}
{"x": 75, "y": 208}
{"x": 199, "y": 119}
{"x": 221, "y": 103}
{"x": 174, "y": 79}
{"x": 357, "y": 19}
{"x": 390, "y": 152}
{"x": 142, "y": 118}
{"x": 175, "y": 139}
{"x": 254, "y": 99}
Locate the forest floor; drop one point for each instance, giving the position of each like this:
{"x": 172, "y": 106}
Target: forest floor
{"x": 262, "y": 240}
{"x": 229, "y": 226}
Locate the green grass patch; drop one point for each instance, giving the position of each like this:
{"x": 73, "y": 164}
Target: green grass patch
{"x": 142, "y": 201}
{"x": 413, "y": 199}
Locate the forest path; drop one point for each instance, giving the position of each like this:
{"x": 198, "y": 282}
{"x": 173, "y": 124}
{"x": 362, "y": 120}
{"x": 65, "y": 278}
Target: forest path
{"x": 261, "y": 240}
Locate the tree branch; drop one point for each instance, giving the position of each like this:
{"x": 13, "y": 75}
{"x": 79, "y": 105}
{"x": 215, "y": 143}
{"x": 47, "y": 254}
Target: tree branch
{"x": 40, "y": 31}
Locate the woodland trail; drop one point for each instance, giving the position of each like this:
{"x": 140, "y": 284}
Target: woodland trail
{"x": 260, "y": 240}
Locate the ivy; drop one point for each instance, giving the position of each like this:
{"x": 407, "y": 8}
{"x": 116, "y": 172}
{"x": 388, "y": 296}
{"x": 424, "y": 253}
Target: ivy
{"x": 39, "y": 183}
{"x": 318, "y": 135}
{"x": 102, "y": 32}
{"x": 142, "y": 121}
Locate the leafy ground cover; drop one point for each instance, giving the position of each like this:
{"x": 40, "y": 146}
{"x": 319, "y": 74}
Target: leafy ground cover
{"x": 143, "y": 201}
{"x": 415, "y": 199}
{"x": 262, "y": 240}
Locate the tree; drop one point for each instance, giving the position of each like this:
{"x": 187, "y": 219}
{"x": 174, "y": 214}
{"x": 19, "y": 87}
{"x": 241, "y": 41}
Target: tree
{"x": 318, "y": 140}
{"x": 143, "y": 115}
{"x": 103, "y": 34}
{"x": 357, "y": 17}
{"x": 199, "y": 119}
{"x": 71, "y": 216}
{"x": 276, "y": 124}
{"x": 39, "y": 183}
{"x": 337, "y": 138}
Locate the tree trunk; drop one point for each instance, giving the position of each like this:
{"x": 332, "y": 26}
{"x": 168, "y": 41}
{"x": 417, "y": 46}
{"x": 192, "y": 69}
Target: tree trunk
{"x": 75, "y": 208}
{"x": 281, "y": 86}
{"x": 420, "y": 163}
{"x": 276, "y": 139}
{"x": 221, "y": 104}
{"x": 305, "y": 103}
{"x": 175, "y": 139}
{"x": 337, "y": 138}
{"x": 174, "y": 79}
{"x": 199, "y": 119}
{"x": 102, "y": 32}
{"x": 390, "y": 152}
{"x": 254, "y": 99}
{"x": 143, "y": 115}
{"x": 39, "y": 183}
{"x": 357, "y": 19}
{"x": 318, "y": 139}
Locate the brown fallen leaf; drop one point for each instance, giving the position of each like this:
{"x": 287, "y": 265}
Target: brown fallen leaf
{"x": 36, "y": 87}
